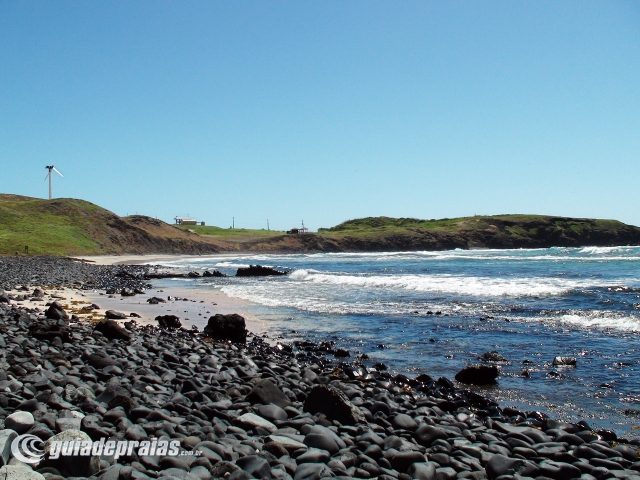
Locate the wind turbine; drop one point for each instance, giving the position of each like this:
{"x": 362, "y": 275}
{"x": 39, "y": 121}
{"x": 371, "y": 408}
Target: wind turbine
{"x": 51, "y": 167}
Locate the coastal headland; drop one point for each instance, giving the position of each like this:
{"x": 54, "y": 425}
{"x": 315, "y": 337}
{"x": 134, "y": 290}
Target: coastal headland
{"x": 76, "y": 227}
{"x": 247, "y": 409}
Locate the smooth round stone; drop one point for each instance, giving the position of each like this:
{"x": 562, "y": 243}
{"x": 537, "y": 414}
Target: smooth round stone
{"x": 309, "y": 471}
{"x": 272, "y": 412}
{"x": 422, "y": 471}
{"x": 500, "y": 465}
{"x": 256, "y": 466}
{"x": 19, "y": 422}
{"x": 320, "y": 441}
{"x": 402, "y": 461}
{"x": 404, "y": 421}
{"x": 173, "y": 462}
{"x": 425, "y": 435}
{"x": 313, "y": 455}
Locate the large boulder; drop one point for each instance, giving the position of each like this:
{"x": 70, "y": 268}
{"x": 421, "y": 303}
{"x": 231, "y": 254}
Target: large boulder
{"x": 113, "y": 315}
{"x": 56, "y": 312}
{"x": 50, "y": 330}
{"x": 227, "y": 327}
{"x": 478, "y": 374}
{"x": 111, "y": 330}
{"x": 258, "y": 271}
{"x": 334, "y": 404}
{"x": 71, "y": 466}
{"x": 168, "y": 322}
{"x": 266, "y": 392}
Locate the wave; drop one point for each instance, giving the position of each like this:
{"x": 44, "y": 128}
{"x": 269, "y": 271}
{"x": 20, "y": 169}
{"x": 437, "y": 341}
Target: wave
{"x": 602, "y": 320}
{"x": 451, "y": 284}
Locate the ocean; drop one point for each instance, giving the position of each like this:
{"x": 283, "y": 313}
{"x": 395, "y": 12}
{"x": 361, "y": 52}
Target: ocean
{"x": 436, "y": 312}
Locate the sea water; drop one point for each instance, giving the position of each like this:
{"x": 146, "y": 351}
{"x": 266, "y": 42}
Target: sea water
{"x": 436, "y": 312}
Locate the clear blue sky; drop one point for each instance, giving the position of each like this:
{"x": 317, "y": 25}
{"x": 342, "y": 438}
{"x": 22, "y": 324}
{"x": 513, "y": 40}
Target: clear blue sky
{"x": 324, "y": 111}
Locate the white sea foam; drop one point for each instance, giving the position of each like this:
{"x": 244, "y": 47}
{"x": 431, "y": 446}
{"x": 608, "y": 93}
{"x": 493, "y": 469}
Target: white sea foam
{"x": 454, "y": 284}
{"x": 603, "y": 320}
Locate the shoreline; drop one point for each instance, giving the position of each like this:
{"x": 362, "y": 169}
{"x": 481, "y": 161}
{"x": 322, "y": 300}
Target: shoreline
{"x": 257, "y": 410}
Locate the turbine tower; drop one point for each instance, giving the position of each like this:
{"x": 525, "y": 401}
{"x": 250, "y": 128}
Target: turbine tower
{"x": 51, "y": 168}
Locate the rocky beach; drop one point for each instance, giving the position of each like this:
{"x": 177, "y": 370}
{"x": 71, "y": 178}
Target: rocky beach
{"x": 242, "y": 405}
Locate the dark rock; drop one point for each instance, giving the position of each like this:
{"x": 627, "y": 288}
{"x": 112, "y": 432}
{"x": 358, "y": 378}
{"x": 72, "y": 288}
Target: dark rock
{"x": 256, "y": 466}
{"x": 500, "y": 465}
{"x": 427, "y": 434}
{"x": 334, "y": 404}
{"x": 258, "y": 271}
{"x": 71, "y": 466}
{"x": 127, "y": 292}
{"x": 402, "y": 461}
{"x": 113, "y": 315}
{"x": 422, "y": 471}
{"x": 266, "y": 392}
{"x": 156, "y": 300}
{"x": 56, "y": 312}
{"x": 168, "y": 322}
{"x": 49, "y": 331}
{"x": 565, "y": 361}
{"x": 227, "y": 327}
{"x": 113, "y": 331}
{"x": 100, "y": 360}
{"x": 215, "y": 273}
{"x": 312, "y": 471}
{"x": 492, "y": 356}
{"x": 478, "y": 374}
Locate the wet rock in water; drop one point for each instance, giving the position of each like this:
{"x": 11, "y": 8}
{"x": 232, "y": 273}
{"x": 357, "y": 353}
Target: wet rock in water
{"x": 258, "y": 271}
{"x": 266, "y": 392}
{"x": 565, "y": 361}
{"x": 227, "y": 327}
{"x": 215, "y": 273}
{"x": 168, "y": 322}
{"x": 113, "y": 315}
{"x": 492, "y": 356}
{"x": 111, "y": 330}
{"x": 478, "y": 374}
{"x": 334, "y": 404}
{"x": 56, "y": 312}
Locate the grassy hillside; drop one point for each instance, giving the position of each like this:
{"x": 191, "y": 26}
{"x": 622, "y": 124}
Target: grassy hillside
{"x": 75, "y": 227}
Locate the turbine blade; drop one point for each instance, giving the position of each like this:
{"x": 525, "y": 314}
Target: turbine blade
{"x": 56, "y": 170}
{"x": 47, "y": 175}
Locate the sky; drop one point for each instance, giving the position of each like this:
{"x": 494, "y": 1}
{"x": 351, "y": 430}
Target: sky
{"x": 324, "y": 111}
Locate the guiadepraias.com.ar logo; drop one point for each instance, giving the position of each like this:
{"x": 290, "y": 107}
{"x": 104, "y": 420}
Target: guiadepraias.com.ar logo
{"x": 30, "y": 449}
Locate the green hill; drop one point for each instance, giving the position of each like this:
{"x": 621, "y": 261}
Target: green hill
{"x": 67, "y": 226}
{"x": 75, "y": 227}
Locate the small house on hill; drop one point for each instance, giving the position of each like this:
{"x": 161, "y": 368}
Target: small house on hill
{"x": 186, "y": 221}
